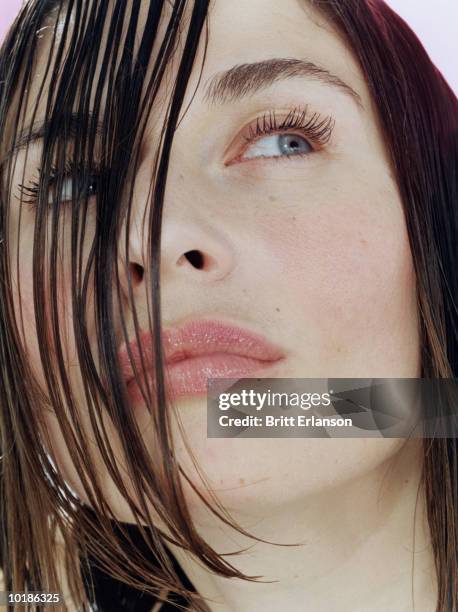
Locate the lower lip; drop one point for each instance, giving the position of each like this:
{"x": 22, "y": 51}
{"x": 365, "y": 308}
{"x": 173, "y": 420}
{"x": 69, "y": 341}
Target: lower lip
{"x": 188, "y": 377}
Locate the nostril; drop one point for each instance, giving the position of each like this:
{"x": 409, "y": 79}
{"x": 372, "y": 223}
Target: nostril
{"x": 195, "y": 258}
{"x": 137, "y": 273}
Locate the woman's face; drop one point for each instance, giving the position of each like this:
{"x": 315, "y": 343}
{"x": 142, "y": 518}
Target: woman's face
{"x": 309, "y": 251}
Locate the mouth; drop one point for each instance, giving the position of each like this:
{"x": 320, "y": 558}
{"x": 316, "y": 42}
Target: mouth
{"x": 194, "y": 353}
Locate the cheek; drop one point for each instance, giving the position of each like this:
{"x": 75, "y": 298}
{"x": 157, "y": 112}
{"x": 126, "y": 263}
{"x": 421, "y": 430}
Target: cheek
{"x": 346, "y": 278}
{"x": 344, "y": 257}
{"x": 24, "y": 302}
{"x": 23, "y": 277}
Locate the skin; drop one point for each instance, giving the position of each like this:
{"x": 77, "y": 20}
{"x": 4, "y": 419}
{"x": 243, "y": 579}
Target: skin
{"x": 313, "y": 254}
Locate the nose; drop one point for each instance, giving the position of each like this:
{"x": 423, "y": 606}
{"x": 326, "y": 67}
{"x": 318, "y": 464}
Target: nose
{"x": 193, "y": 251}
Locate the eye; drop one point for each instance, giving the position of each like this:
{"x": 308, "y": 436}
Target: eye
{"x": 88, "y": 189}
{"x": 86, "y": 185}
{"x": 278, "y": 145}
{"x": 298, "y": 134}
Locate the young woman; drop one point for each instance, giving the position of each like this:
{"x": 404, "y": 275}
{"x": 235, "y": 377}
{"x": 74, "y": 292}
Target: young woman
{"x": 193, "y": 190}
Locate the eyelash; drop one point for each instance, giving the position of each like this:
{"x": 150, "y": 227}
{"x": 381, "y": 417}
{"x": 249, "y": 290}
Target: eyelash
{"x": 31, "y": 190}
{"x": 315, "y": 128}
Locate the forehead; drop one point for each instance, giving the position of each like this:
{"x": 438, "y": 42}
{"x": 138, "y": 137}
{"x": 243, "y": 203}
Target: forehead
{"x": 249, "y": 30}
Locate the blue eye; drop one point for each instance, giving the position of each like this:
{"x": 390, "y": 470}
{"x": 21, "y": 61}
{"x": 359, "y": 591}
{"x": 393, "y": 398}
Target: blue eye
{"x": 86, "y": 180}
{"x": 298, "y": 134}
{"x": 66, "y": 194}
{"x": 278, "y": 145}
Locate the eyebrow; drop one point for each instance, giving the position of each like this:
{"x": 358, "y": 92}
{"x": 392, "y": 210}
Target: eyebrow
{"x": 244, "y": 80}
{"x": 72, "y": 123}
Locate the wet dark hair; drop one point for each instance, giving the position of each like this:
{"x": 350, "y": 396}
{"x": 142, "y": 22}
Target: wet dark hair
{"x": 418, "y": 114}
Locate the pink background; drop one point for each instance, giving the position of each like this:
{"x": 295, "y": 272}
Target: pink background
{"x": 435, "y": 23}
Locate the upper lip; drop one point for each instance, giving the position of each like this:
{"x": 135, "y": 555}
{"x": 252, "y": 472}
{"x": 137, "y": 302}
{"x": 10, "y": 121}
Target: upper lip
{"x": 198, "y": 337}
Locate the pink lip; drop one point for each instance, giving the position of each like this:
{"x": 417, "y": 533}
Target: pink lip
{"x": 195, "y": 352}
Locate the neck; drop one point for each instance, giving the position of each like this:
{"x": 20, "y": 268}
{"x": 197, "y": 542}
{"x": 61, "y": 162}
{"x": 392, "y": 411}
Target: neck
{"x": 365, "y": 545}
